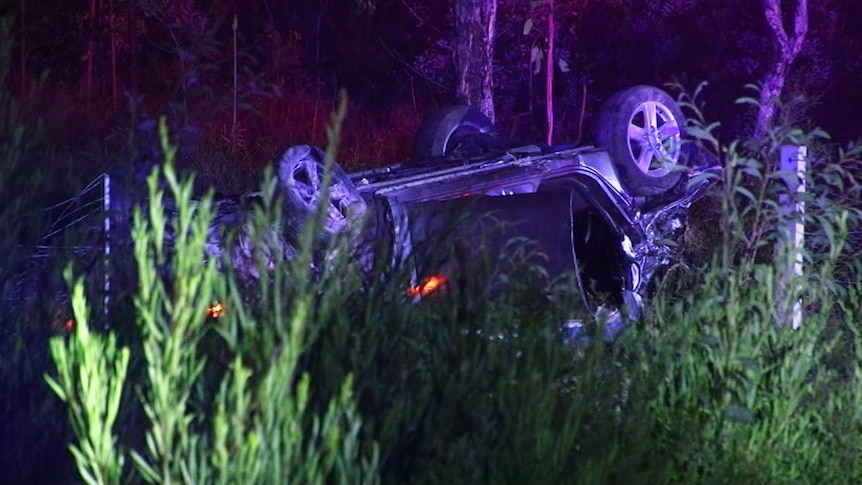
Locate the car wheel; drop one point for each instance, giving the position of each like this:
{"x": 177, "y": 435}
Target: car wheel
{"x": 300, "y": 174}
{"x": 442, "y": 131}
{"x": 641, "y": 129}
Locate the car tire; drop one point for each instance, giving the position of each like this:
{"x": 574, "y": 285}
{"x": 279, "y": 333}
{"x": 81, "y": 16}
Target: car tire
{"x": 300, "y": 176}
{"x": 439, "y": 132}
{"x": 641, "y": 128}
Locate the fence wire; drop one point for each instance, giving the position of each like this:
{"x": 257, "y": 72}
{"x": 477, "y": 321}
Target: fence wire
{"x": 77, "y": 228}
{"x": 73, "y": 212}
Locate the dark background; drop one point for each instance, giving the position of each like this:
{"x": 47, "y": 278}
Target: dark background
{"x": 100, "y": 72}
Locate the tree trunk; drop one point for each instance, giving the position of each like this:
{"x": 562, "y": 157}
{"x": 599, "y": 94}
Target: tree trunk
{"x": 91, "y": 53}
{"x": 132, "y": 49}
{"x": 114, "y": 39}
{"x": 23, "y": 60}
{"x": 770, "y": 93}
{"x": 475, "y": 24}
{"x": 549, "y": 75}
{"x": 787, "y": 47}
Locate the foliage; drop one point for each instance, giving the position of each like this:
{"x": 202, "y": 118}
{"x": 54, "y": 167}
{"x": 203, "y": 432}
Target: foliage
{"x": 92, "y": 372}
{"x": 754, "y": 192}
{"x": 29, "y": 415}
{"x": 152, "y": 57}
{"x": 713, "y": 388}
{"x": 476, "y": 384}
{"x": 734, "y": 393}
{"x": 761, "y": 395}
{"x": 216, "y": 409}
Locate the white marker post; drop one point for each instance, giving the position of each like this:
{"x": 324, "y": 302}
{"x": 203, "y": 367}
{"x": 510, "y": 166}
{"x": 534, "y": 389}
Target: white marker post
{"x": 793, "y": 164}
{"x": 106, "y": 210}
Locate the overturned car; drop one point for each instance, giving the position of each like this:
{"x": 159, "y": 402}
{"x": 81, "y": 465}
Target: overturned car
{"x": 605, "y": 216}
{"x": 605, "y": 213}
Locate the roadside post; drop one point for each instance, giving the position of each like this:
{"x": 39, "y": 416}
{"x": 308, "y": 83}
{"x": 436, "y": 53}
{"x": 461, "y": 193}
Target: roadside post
{"x": 792, "y": 240}
{"x": 106, "y": 208}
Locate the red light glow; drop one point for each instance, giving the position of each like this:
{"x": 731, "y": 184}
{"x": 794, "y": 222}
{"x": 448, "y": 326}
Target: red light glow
{"x": 428, "y": 286}
{"x": 216, "y": 310}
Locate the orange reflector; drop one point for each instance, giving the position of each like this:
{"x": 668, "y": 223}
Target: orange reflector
{"x": 216, "y": 310}
{"x": 430, "y": 285}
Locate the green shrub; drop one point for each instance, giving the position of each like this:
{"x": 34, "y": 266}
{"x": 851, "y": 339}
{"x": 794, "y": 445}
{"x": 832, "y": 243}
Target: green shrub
{"x": 730, "y": 393}
{"x": 317, "y": 365}
{"x": 31, "y": 427}
{"x": 215, "y": 408}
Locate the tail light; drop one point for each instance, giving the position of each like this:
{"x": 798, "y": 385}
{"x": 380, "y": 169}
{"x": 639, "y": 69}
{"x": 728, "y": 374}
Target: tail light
{"x": 216, "y": 310}
{"x": 429, "y": 285}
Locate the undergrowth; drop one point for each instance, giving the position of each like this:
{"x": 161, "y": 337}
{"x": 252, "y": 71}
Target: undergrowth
{"x": 311, "y": 369}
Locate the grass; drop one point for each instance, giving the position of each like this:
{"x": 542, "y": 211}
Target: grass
{"x": 319, "y": 372}
{"x": 240, "y": 415}
{"x": 712, "y": 387}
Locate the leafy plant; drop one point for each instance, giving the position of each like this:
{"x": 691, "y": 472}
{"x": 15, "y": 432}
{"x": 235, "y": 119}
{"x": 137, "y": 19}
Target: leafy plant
{"x": 215, "y": 410}
{"x": 28, "y": 417}
{"x": 476, "y": 383}
{"x": 92, "y": 374}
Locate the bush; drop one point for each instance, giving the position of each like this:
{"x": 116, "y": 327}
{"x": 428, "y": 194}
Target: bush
{"x": 31, "y": 429}
{"x": 216, "y": 409}
{"x": 318, "y": 371}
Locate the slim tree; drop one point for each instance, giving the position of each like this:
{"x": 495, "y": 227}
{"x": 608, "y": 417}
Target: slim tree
{"x": 787, "y": 46}
{"x": 475, "y": 25}
{"x": 549, "y": 75}
{"x": 23, "y": 42}
{"x": 113, "y": 35}
{"x": 90, "y": 54}
{"x": 543, "y": 53}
